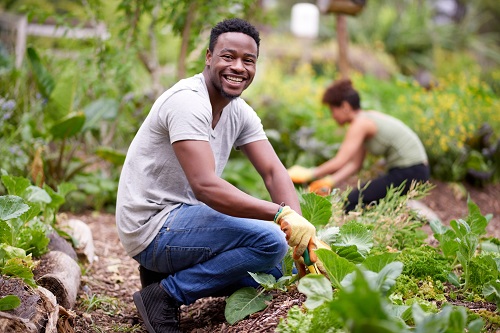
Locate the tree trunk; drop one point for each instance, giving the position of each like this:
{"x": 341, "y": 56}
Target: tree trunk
{"x": 343, "y": 41}
{"x": 186, "y": 33}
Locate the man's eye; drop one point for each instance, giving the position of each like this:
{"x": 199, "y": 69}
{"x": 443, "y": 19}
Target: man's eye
{"x": 249, "y": 60}
{"x": 226, "y": 56}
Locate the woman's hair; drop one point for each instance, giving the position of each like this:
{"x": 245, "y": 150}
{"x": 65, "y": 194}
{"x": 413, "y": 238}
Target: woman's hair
{"x": 233, "y": 25}
{"x": 342, "y": 90}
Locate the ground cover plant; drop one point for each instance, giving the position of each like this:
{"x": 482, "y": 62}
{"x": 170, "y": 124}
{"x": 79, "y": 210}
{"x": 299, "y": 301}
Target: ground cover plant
{"x": 376, "y": 283}
{"x": 28, "y": 214}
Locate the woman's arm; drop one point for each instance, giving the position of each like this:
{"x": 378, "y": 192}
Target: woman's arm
{"x": 351, "y": 150}
{"x": 350, "y": 168}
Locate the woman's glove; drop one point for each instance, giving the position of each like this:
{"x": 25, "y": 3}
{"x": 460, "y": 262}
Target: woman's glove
{"x": 301, "y": 266}
{"x": 322, "y": 186}
{"x": 299, "y": 174}
{"x": 300, "y": 233}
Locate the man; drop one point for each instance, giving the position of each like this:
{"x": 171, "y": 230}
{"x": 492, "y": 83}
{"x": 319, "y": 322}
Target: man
{"x": 177, "y": 217}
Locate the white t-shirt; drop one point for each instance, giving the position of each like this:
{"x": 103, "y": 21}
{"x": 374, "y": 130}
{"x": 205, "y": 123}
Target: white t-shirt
{"x": 152, "y": 182}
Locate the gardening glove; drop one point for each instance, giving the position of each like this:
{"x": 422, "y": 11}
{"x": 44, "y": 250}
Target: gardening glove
{"x": 302, "y": 267}
{"x": 300, "y": 233}
{"x": 322, "y": 186}
{"x": 299, "y": 174}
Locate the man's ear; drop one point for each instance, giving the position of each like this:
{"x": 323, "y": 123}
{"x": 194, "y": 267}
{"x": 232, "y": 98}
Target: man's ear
{"x": 208, "y": 57}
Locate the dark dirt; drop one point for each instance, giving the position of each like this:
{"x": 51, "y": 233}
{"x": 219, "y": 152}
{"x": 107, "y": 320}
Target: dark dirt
{"x": 113, "y": 277}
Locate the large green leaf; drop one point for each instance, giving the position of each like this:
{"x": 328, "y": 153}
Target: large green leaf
{"x": 376, "y": 263}
{"x": 10, "y": 252}
{"x": 61, "y": 100}
{"x": 69, "y": 126}
{"x": 15, "y": 185}
{"x": 491, "y": 292}
{"x": 382, "y": 281}
{"x": 37, "y": 194}
{"x": 386, "y": 278}
{"x": 355, "y": 233}
{"x": 44, "y": 80}
{"x": 9, "y": 302}
{"x": 101, "y": 109}
{"x": 316, "y": 209}
{"x": 364, "y": 309}
{"x": 244, "y": 302}
{"x": 11, "y": 206}
{"x": 350, "y": 252}
{"x": 111, "y": 155}
{"x": 317, "y": 288}
{"x": 475, "y": 219}
{"x": 336, "y": 267}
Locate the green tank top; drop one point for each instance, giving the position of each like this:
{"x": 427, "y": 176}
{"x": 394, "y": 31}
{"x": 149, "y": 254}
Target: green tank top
{"x": 395, "y": 141}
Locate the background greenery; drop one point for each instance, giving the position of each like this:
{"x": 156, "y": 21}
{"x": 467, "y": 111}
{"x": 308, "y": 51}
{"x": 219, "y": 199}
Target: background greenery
{"x": 69, "y": 113}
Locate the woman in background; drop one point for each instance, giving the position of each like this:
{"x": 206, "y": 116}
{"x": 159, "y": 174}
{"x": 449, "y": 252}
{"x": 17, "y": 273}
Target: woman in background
{"x": 369, "y": 131}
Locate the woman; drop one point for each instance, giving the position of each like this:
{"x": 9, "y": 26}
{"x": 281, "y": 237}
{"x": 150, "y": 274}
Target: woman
{"x": 369, "y": 131}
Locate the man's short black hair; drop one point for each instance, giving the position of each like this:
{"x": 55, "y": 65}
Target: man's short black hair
{"x": 233, "y": 25}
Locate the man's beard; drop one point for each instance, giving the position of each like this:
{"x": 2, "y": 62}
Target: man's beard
{"x": 228, "y": 96}
{"x": 224, "y": 93}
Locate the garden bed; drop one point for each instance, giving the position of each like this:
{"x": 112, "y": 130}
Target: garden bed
{"x": 105, "y": 298}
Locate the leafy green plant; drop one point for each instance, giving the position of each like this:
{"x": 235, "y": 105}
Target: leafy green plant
{"x": 246, "y": 301}
{"x": 366, "y": 290}
{"x": 27, "y": 214}
{"x": 461, "y": 240}
{"x": 108, "y": 305}
{"x": 61, "y": 125}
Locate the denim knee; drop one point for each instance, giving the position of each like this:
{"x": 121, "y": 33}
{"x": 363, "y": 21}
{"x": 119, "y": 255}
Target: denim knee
{"x": 277, "y": 247}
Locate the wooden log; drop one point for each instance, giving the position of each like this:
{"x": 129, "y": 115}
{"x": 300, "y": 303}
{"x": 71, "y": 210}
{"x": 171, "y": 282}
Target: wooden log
{"x": 60, "y": 274}
{"x": 37, "y": 313}
{"x": 58, "y": 243}
{"x": 81, "y": 232}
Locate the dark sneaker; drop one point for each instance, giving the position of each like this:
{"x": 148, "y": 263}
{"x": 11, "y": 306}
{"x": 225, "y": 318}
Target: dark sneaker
{"x": 149, "y": 277}
{"x": 159, "y": 311}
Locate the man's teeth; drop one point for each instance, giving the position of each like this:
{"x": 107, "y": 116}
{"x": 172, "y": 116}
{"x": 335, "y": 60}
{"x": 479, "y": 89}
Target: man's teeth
{"x": 235, "y": 79}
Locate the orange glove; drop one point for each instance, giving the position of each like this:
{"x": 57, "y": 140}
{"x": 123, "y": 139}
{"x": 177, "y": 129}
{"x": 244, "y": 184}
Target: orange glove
{"x": 301, "y": 266}
{"x": 299, "y": 174}
{"x": 300, "y": 233}
{"x": 322, "y": 186}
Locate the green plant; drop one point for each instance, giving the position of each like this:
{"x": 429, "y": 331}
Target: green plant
{"x": 461, "y": 241}
{"x": 27, "y": 215}
{"x": 9, "y": 302}
{"x": 108, "y": 305}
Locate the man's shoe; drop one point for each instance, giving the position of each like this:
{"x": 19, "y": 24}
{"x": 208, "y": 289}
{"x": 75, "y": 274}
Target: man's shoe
{"x": 159, "y": 311}
{"x": 149, "y": 277}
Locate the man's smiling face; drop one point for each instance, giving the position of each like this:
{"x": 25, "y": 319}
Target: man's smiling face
{"x": 232, "y": 64}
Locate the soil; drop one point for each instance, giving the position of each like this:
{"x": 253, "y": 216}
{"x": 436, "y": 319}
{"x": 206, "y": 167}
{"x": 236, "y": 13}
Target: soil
{"x": 105, "y": 298}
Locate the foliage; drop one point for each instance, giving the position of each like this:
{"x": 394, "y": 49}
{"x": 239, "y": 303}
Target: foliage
{"x": 370, "y": 285}
{"x": 9, "y": 302}
{"x": 27, "y": 215}
{"x": 411, "y": 32}
{"x": 243, "y": 302}
{"x": 462, "y": 240}
{"x": 424, "y": 261}
{"x": 449, "y": 118}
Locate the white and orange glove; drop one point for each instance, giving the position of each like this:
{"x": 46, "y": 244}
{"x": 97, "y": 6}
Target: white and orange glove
{"x": 300, "y": 233}
{"x": 322, "y": 186}
{"x": 300, "y": 174}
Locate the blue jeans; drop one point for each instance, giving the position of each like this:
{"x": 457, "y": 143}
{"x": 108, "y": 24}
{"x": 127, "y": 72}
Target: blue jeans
{"x": 207, "y": 253}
